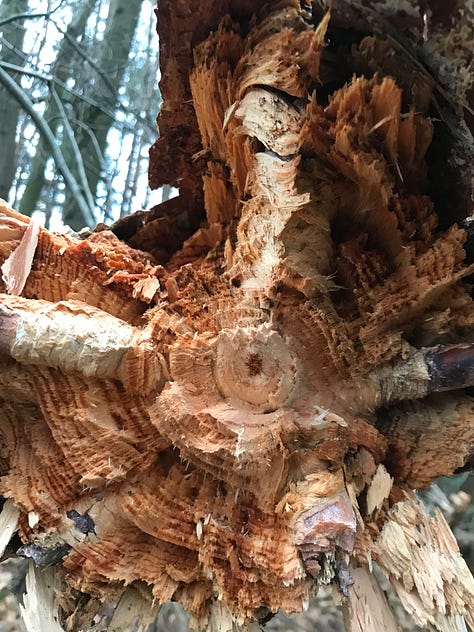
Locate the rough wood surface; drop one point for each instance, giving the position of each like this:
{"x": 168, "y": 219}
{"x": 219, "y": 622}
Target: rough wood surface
{"x": 228, "y": 417}
{"x": 40, "y": 610}
{"x": 367, "y": 609}
{"x": 420, "y": 556}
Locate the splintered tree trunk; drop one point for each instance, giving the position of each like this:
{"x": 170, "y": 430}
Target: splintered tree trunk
{"x": 229, "y": 400}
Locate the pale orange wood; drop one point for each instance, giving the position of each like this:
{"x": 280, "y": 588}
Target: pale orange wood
{"x": 224, "y": 424}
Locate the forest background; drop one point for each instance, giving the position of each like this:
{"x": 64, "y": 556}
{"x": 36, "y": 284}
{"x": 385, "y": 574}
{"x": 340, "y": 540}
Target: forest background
{"x": 78, "y": 99}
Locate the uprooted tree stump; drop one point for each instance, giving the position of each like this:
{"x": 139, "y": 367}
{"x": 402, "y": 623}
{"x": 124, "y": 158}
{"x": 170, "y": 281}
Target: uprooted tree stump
{"x": 228, "y": 400}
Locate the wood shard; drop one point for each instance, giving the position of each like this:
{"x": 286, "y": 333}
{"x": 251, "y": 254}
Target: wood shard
{"x": 378, "y": 490}
{"x": 420, "y": 556}
{"x": 17, "y": 267}
{"x": 8, "y": 523}
{"x": 329, "y": 524}
{"x": 367, "y": 609}
{"x": 40, "y": 610}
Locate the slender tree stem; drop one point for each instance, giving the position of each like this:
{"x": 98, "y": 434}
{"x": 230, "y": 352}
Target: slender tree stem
{"x": 77, "y": 154}
{"x": 51, "y": 79}
{"x": 29, "y": 16}
{"x": 16, "y": 91}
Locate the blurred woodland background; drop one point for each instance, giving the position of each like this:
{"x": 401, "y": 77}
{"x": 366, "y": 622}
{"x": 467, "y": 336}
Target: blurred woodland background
{"x": 78, "y": 100}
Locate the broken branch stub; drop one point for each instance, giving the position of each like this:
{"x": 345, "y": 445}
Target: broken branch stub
{"x": 74, "y": 337}
{"x": 237, "y": 425}
{"x": 450, "y": 367}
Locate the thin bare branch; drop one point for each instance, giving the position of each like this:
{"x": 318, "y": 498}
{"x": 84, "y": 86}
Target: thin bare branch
{"x": 49, "y": 79}
{"x": 29, "y": 16}
{"x": 85, "y": 56}
{"x": 87, "y": 130}
{"x": 16, "y": 91}
{"x": 77, "y": 154}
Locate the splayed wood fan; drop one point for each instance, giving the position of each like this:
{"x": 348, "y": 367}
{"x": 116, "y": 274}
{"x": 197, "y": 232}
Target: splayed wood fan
{"x": 228, "y": 400}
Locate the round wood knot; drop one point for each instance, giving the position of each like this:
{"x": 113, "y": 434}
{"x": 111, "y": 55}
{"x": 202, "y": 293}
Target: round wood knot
{"x": 255, "y": 367}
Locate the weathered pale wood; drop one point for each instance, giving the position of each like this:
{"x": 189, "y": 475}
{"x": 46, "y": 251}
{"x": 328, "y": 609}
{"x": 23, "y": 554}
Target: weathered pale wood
{"x": 16, "y": 268}
{"x": 420, "y": 556}
{"x": 40, "y": 611}
{"x": 76, "y": 338}
{"x": 8, "y": 523}
{"x": 367, "y": 609}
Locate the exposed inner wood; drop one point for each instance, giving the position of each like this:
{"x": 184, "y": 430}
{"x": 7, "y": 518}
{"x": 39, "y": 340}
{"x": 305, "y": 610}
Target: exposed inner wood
{"x": 368, "y": 610}
{"x": 230, "y": 421}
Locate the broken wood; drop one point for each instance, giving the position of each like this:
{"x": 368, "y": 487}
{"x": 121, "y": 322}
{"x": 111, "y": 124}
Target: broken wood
{"x": 367, "y": 610}
{"x": 237, "y": 416}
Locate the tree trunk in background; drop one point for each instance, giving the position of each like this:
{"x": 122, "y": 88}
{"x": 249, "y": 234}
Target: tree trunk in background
{"x": 11, "y": 52}
{"x": 96, "y": 123}
{"x": 228, "y": 400}
{"x": 146, "y": 97}
{"x": 61, "y": 70}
